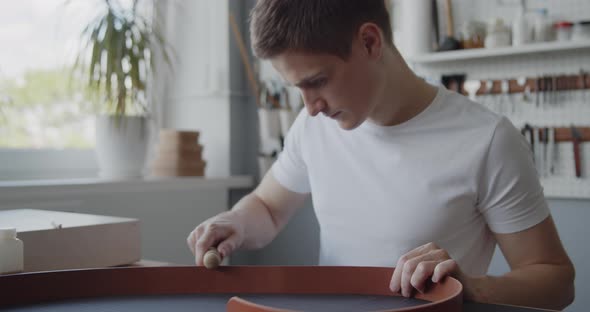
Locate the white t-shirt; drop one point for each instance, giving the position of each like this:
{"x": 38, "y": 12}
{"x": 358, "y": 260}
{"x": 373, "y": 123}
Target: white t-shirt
{"x": 451, "y": 175}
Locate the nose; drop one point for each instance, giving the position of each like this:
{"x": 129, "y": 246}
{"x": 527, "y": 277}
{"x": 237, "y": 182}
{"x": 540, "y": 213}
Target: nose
{"x": 314, "y": 105}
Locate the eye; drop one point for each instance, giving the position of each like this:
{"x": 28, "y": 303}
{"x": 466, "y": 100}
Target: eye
{"x": 316, "y": 83}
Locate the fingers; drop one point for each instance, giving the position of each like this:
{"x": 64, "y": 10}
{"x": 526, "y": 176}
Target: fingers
{"x": 224, "y": 232}
{"x": 212, "y": 235}
{"x": 191, "y": 240}
{"x": 414, "y": 269}
{"x": 421, "y": 250}
{"x": 418, "y": 280}
{"x": 443, "y": 269}
{"x": 410, "y": 272}
{"x": 395, "y": 284}
{"x": 227, "y": 246}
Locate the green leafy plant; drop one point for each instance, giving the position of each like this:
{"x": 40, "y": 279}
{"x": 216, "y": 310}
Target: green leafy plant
{"x": 5, "y": 101}
{"x": 44, "y": 108}
{"x": 117, "y": 59}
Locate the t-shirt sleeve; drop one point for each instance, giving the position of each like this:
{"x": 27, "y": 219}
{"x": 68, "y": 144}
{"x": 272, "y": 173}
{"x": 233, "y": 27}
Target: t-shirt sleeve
{"x": 290, "y": 169}
{"x": 510, "y": 193}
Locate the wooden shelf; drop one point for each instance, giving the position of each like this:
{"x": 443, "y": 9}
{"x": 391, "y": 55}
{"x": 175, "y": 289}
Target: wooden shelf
{"x": 565, "y": 134}
{"x": 533, "y": 48}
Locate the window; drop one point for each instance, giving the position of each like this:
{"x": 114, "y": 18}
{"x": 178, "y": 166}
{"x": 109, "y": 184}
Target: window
{"x": 41, "y": 107}
{"x": 46, "y": 124}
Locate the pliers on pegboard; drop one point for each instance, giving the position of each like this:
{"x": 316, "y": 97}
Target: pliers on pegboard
{"x": 576, "y": 139}
{"x": 528, "y": 132}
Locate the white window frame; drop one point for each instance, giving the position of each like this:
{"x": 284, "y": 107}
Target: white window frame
{"x": 63, "y": 164}
{"x": 48, "y": 163}
{"x": 32, "y": 164}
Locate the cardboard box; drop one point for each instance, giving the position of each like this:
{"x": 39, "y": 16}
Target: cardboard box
{"x": 56, "y": 240}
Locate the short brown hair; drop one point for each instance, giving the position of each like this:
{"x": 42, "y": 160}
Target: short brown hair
{"x": 316, "y": 26}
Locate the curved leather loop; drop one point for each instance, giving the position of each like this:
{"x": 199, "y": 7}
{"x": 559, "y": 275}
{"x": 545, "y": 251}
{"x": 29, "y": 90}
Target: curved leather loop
{"x": 29, "y": 288}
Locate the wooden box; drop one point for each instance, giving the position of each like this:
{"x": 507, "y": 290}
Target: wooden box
{"x": 56, "y": 240}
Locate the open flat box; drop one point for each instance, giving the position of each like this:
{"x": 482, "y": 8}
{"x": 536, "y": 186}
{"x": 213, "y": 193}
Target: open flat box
{"x": 56, "y": 240}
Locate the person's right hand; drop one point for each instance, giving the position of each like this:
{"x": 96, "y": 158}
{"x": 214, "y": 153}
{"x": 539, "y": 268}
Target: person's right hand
{"x": 224, "y": 231}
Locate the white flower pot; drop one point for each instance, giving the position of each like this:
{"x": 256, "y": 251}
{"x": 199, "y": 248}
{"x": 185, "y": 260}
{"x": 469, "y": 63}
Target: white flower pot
{"x": 122, "y": 144}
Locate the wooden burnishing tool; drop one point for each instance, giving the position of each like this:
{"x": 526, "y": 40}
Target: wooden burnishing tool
{"x": 212, "y": 258}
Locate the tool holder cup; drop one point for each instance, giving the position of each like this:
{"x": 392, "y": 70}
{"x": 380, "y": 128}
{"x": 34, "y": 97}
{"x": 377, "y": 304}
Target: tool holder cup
{"x": 270, "y": 123}
{"x": 287, "y": 117}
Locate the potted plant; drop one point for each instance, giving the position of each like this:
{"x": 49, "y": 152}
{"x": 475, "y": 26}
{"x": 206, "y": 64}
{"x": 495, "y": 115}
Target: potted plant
{"x": 117, "y": 61}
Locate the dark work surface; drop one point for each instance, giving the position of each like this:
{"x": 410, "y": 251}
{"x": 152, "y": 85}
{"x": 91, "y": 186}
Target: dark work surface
{"x": 214, "y": 303}
{"x": 479, "y": 307}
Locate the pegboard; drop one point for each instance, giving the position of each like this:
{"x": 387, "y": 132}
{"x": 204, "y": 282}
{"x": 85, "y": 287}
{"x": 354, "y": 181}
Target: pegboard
{"x": 569, "y": 108}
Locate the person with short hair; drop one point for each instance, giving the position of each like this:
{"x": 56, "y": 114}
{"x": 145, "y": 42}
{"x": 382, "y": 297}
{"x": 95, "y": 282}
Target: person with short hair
{"x": 402, "y": 173}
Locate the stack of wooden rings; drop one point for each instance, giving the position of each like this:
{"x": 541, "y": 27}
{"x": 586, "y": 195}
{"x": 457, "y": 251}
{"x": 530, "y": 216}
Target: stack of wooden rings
{"x": 179, "y": 154}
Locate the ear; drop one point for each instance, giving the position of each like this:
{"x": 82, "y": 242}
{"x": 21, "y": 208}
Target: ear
{"x": 371, "y": 39}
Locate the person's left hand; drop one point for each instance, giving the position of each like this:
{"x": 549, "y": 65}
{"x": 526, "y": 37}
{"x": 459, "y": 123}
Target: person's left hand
{"x": 415, "y": 268}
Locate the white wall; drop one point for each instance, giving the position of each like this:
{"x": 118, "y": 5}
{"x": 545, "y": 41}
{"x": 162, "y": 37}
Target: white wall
{"x": 196, "y": 95}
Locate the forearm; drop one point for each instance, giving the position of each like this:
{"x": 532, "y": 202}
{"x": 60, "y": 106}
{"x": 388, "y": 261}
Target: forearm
{"x": 541, "y": 285}
{"x": 259, "y": 226}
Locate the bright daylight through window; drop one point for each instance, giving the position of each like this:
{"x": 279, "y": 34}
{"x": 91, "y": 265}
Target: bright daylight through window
{"x": 42, "y": 105}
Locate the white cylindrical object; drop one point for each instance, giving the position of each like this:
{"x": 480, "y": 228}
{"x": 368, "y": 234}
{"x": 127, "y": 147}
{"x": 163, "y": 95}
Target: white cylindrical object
{"x": 563, "y": 34}
{"x": 521, "y": 31}
{"x": 287, "y": 118}
{"x": 541, "y": 26}
{"x": 498, "y": 34}
{"x": 269, "y": 121}
{"x": 122, "y": 145}
{"x": 581, "y": 31}
{"x": 416, "y": 25}
{"x": 11, "y": 252}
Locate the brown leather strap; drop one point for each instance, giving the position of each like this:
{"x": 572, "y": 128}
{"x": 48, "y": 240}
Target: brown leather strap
{"x": 48, "y": 286}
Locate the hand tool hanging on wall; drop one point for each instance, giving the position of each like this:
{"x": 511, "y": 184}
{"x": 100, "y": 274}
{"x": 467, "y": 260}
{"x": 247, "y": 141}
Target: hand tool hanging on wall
{"x": 550, "y": 149}
{"x": 583, "y": 84}
{"x": 471, "y": 86}
{"x": 527, "y": 131}
{"x": 547, "y": 88}
{"x": 245, "y": 59}
{"x": 546, "y": 162}
{"x": 449, "y": 42}
{"x": 488, "y": 88}
{"x": 542, "y": 142}
{"x": 537, "y": 92}
{"x": 526, "y": 94}
{"x": 554, "y": 94}
{"x": 537, "y": 151}
{"x": 576, "y": 139}
{"x": 454, "y": 82}
{"x": 542, "y": 91}
{"x": 435, "y": 31}
{"x": 505, "y": 99}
